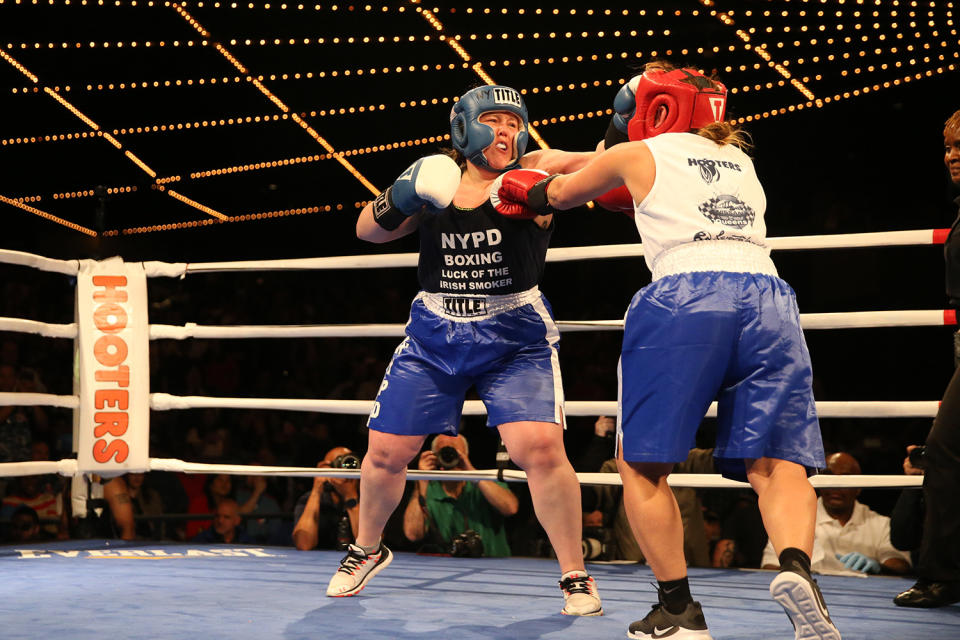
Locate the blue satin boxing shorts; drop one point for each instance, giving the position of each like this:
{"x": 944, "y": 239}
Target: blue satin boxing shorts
{"x": 691, "y": 338}
{"x": 506, "y": 346}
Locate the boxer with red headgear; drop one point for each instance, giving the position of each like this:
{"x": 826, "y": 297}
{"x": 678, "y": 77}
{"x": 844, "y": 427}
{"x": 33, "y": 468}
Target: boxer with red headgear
{"x": 716, "y": 323}
{"x": 479, "y": 320}
{"x": 660, "y": 101}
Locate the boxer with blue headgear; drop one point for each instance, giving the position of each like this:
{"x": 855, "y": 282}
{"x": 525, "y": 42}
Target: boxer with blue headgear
{"x": 479, "y": 321}
{"x": 471, "y": 137}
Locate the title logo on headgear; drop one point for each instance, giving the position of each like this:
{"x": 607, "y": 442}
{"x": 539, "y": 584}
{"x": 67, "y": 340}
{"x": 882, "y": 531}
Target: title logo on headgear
{"x": 506, "y": 95}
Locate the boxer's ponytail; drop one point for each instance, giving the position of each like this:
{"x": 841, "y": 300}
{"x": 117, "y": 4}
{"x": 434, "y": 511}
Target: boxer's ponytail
{"x": 725, "y": 133}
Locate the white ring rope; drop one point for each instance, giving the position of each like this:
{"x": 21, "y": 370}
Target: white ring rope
{"x": 19, "y": 399}
{"x": 827, "y": 409}
{"x": 67, "y": 267}
{"x": 68, "y": 467}
{"x": 65, "y": 467}
{"x": 833, "y": 241}
{"x": 180, "y": 269}
{"x": 841, "y": 320}
{"x": 167, "y": 402}
{"x": 45, "y": 329}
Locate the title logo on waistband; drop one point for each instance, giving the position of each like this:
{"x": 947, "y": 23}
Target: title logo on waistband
{"x": 465, "y": 307}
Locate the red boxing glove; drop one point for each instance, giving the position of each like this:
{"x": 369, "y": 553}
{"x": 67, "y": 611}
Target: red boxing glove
{"x": 618, "y": 199}
{"x": 521, "y": 193}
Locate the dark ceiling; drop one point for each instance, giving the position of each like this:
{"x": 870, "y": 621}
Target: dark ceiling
{"x": 259, "y": 128}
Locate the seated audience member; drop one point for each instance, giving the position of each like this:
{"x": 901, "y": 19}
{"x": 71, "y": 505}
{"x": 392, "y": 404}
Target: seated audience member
{"x": 850, "y": 538}
{"x": 28, "y": 490}
{"x": 227, "y": 525}
{"x": 216, "y": 488}
{"x": 445, "y": 513}
{"x": 607, "y": 519}
{"x": 323, "y": 514}
{"x": 25, "y": 527}
{"x": 254, "y": 498}
{"x": 15, "y": 428}
{"x": 128, "y": 498}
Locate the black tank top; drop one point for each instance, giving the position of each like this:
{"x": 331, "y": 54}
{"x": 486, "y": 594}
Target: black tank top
{"x": 479, "y": 251}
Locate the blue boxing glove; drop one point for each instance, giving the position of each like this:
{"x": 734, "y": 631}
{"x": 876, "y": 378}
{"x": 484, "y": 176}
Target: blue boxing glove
{"x": 431, "y": 181}
{"x": 856, "y": 561}
{"x": 624, "y": 106}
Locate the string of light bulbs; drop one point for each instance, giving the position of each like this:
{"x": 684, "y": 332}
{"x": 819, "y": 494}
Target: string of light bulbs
{"x": 284, "y": 6}
{"x": 359, "y": 71}
{"x": 98, "y": 132}
{"x": 271, "y": 118}
{"x": 292, "y": 161}
{"x": 338, "y": 40}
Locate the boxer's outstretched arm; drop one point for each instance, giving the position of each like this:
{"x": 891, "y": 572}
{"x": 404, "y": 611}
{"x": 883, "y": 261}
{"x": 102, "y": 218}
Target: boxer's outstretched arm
{"x": 630, "y": 163}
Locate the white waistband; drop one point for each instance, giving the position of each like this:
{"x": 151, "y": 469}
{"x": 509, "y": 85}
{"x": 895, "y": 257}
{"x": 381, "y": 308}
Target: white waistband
{"x": 464, "y": 308}
{"x": 714, "y": 255}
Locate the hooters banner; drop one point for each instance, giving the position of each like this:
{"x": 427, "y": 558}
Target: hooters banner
{"x": 113, "y": 347}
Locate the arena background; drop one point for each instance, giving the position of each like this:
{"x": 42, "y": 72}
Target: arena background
{"x": 849, "y": 142}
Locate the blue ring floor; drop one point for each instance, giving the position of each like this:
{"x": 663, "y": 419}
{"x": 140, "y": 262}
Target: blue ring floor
{"x": 104, "y": 589}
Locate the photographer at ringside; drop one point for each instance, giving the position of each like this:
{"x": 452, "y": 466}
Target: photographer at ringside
{"x": 463, "y": 518}
{"x": 327, "y": 516}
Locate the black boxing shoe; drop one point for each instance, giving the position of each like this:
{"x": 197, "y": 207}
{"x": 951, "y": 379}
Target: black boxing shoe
{"x": 927, "y": 594}
{"x": 660, "y": 623}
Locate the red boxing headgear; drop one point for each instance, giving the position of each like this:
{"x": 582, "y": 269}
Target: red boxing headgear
{"x": 692, "y": 101}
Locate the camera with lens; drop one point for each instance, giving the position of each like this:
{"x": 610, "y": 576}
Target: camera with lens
{"x": 448, "y": 458}
{"x": 598, "y": 544}
{"x": 918, "y": 457}
{"x": 346, "y": 461}
{"x": 467, "y": 544}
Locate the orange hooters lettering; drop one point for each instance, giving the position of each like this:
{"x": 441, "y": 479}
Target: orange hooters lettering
{"x": 110, "y": 350}
{"x": 110, "y": 318}
{"x": 112, "y": 422}
{"x": 120, "y": 375}
{"x": 102, "y": 452}
{"x": 110, "y": 292}
{"x": 118, "y": 398}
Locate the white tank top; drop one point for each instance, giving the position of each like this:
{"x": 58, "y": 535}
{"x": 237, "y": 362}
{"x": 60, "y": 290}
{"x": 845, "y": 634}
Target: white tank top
{"x": 705, "y": 194}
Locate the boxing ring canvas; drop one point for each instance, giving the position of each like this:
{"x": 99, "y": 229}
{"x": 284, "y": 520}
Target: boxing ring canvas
{"x": 105, "y": 589}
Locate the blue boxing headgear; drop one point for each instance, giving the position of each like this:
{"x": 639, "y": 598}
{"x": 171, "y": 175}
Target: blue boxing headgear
{"x": 470, "y": 137}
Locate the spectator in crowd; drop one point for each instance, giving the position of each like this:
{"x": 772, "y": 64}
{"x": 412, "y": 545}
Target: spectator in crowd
{"x": 128, "y": 497}
{"x": 255, "y": 499}
{"x": 438, "y": 512}
{"x": 216, "y": 488}
{"x": 25, "y": 526}
{"x": 850, "y": 538}
{"x": 939, "y": 565}
{"x": 606, "y": 518}
{"x": 15, "y": 433}
{"x": 29, "y": 491}
{"x": 226, "y": 526}
{"x": 320, "y": 513}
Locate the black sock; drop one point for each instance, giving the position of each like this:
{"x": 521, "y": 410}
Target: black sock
{"x": 675, "y": 595}
{"x": 793, "y": 559}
